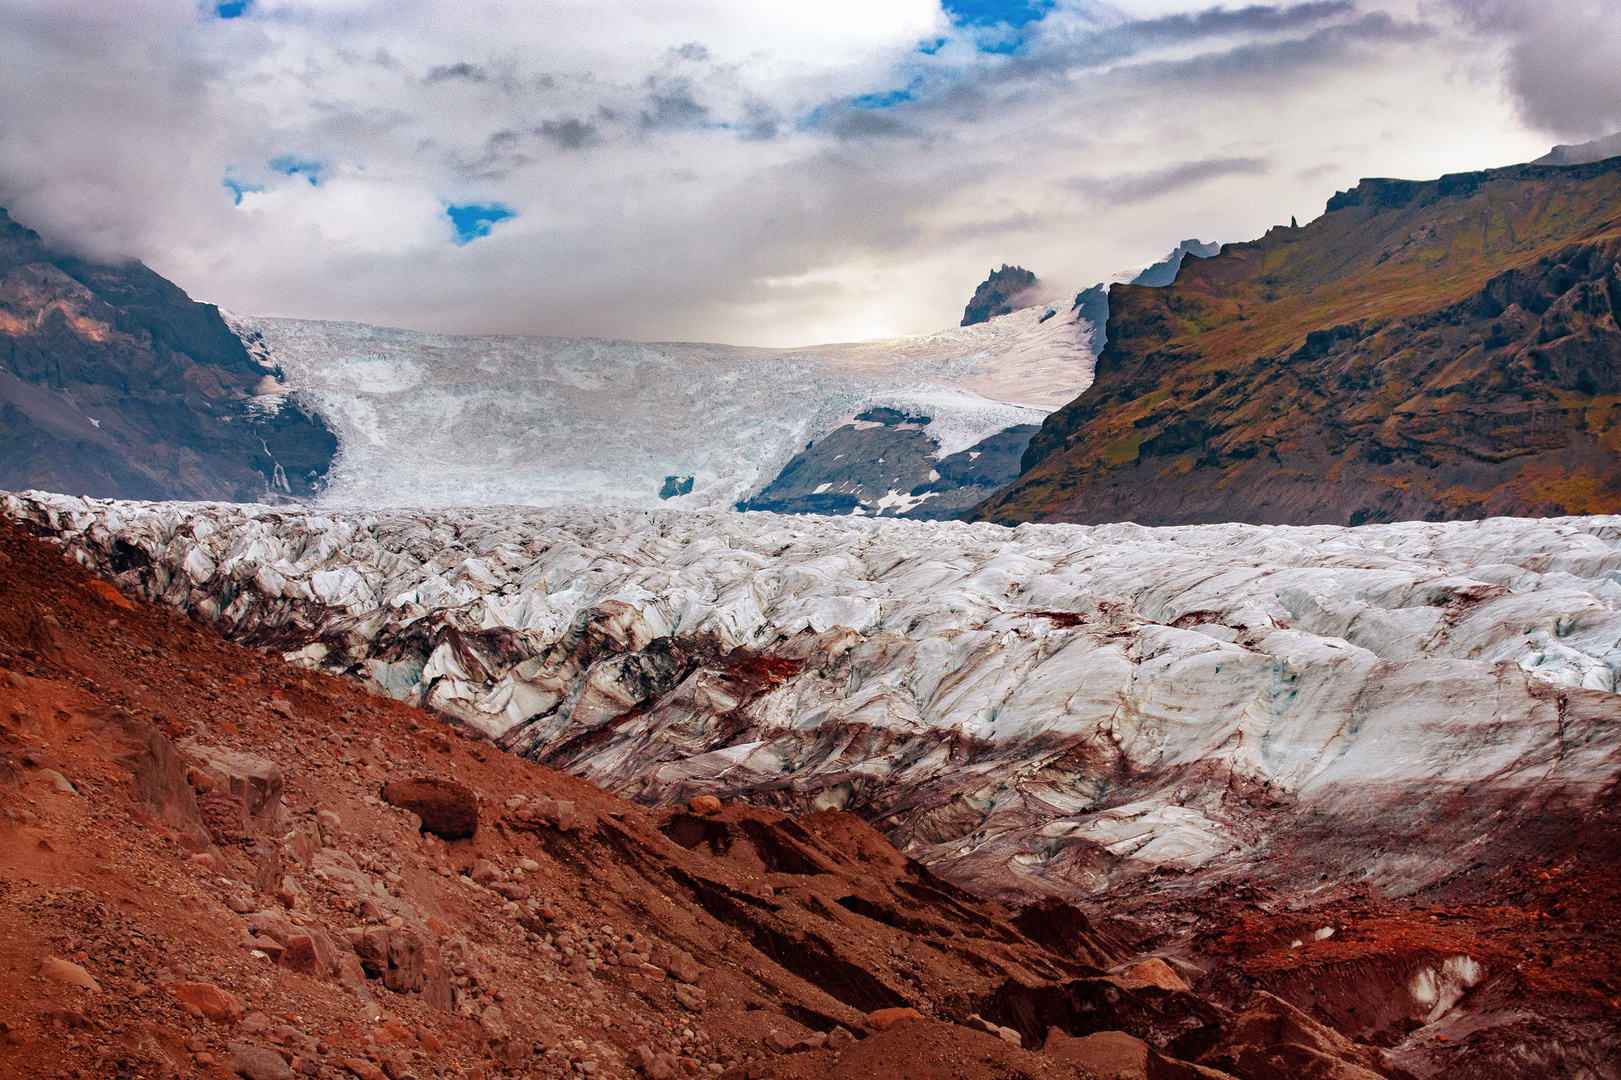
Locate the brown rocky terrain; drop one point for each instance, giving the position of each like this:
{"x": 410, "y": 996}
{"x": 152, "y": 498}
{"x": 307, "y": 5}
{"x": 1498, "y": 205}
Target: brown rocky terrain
{"x": 215, "y": 864}
{"x": 1423, "y": 351}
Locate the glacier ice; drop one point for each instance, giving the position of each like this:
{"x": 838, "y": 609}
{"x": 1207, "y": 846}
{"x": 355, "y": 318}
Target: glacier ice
{"x": 430, "y": 420}
{"x": 1046, "y": 708}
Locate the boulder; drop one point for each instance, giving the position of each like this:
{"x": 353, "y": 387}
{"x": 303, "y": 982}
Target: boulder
{"x": 55, "y": 969}
{"x": 884, "y": 1019}
{"x": 395, "y": 955}
{"x": 1158, "y": 973}
{"x": 256, "y": 780}
{"x": 448, "y": 810}
{"x": 1115, "y": 1055}
{"x": 210, "y": 1001}
{"x": 685, "y": 967}
{"x": 258, "y": 1063}
{"x": 704, "y": 805}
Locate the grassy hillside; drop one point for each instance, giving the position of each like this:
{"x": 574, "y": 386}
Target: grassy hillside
{"x": 1441, "y": 349}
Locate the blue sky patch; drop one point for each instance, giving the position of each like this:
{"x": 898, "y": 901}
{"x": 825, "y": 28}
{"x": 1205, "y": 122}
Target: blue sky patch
{"x": 240, "y": 188}
{"x": 232, "y": 9}
{"x": 292, "y": 166}
{"x": 475, "y": 219}
{"x": 1014, "y": 13}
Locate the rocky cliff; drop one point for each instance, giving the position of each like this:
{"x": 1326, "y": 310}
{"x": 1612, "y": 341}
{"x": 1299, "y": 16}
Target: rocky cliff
{"x": 114, "y": 383}
{"x": 1436, "y": 350}
{"x": 999, "y": 294}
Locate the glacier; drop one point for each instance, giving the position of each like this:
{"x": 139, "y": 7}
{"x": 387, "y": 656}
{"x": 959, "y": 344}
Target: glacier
{"x": 1044, "y": 709}
{"x": 432, "y": 420}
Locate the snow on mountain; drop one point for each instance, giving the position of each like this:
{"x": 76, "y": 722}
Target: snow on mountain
{"x": 428, "y": 420}
{"x": 1047, "y": 708}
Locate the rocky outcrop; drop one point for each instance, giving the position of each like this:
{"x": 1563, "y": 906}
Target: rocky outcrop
{"x": 885, "y": 464}
{"x": 114, "y": 383}
{"x": 1164, "y": 272}
{"x": 1441, "y": 350}
{"x": 1003, "y": 292}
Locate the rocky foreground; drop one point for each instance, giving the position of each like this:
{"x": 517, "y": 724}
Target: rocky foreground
{"x": 213, "y": 863}
{"x": 1371, "y": 771}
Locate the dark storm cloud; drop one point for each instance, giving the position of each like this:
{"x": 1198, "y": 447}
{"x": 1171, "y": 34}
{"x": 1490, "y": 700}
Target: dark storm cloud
{"x": 569, "y": 133}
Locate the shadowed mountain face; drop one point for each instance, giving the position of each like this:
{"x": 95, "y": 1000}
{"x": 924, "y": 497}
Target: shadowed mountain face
{"x": 1437, "y": 350}
{"x": 885, "y": 464}
{"x": 999, "y": 294}
{"x": 114, "y": 383}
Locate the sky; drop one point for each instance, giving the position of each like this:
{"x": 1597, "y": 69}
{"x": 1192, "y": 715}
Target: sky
{"x": 736, "y": 171}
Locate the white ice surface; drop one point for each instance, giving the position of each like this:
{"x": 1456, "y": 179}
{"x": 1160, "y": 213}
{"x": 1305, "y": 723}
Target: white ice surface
{"x": 428, "y": 420}
{"x": 1311, "y": 662}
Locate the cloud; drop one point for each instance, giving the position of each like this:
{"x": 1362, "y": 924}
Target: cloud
{"x": 1126, "y": 188}
{"x": 727, "y": 170}
{"x": 1561, "y": 61}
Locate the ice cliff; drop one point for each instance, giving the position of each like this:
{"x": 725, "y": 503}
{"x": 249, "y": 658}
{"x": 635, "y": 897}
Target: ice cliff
{"x": 1047, "y": 708}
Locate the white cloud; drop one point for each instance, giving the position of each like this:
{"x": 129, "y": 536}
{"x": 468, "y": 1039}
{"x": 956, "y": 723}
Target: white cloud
{"x": 722, "y": 170}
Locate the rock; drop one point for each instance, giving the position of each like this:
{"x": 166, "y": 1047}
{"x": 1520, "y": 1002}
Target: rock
{"x": 448, "y": 810}
{"x": 352, "y": 976}
{"x": 288, "y": 891}
{"x": 256, "y": 780}
{"x": 303, "y": 841}
{"x": 57, "y": 781}
{"x": 58, "y": 970}
{"x": 703, "y": 805}
{"x": 808, "y": 1043}
{"x": 884, "y": 1019}
{"x": 979, "y": 1023}
{"x": 690, "y": 997}
{"x": 272, "y": 948}
{"x": 777, "y": 1042}
{"x": 1010, "y": 1035}
{"x": 395, "y": 955}
{"x": 840, "y": 1038}
{"x": 558, "y": 813}
{"x": 650, "y": 971}
{"x": 483, "y": 871}
{"x": 1158, "y": 973}
{"x": 685, "y": 967}
{"x": 494, "y": 1020}
{"x": 330, "y": 825}
{"x": 210, "y": 1001}
{"x": 258, "y": 1063}
{"x": 364, "y": 1069}
{"x": 1270, "y": 1039}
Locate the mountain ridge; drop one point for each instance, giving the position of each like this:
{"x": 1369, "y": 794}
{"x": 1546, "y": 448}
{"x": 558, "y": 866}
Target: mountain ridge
{"x": 114, "y": 382}
{"x": 1424, "y": 349}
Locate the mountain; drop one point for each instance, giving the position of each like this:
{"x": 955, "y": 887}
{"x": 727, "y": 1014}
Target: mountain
{"x": 1582, "y": 153}
{"x": 114, "y": 383}
{"x": 885, "y": 464}
{"x": 427, "y": 419}
{"x": 1002, "y": 293}
{"x": 1371, "y": 771}
{"x": 1164, "y": 271}
{"x": 1423, "y": 350}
